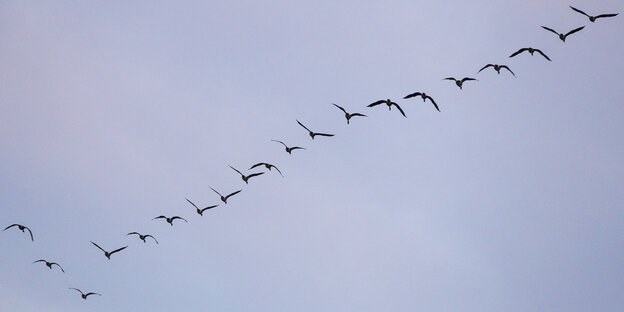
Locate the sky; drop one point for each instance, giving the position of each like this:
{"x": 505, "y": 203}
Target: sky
{"x": 509, "y": 199}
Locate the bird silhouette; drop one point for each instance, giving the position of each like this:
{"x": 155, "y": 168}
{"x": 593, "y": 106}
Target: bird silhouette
{"x": 143, "y": 237}
{"x": 21, "y": 228}
{"x": 460, "y": 83}
{"x": 106, "y": 253}
{"x": 170, "y": 220}
{"x": 288, "y": 149}
{"x": 268, "y": 166}
{"x": 83, "y": 295}
{"x": 424, "y": 97}
{"x": 347, "y": 115}
{"x": 530, "y": 50}
{"x": 313, "y": 134}
{"x": 200, "y": 211}
{"x": 593, "y": 18}
{"x": 50, "y": 264}
{"x": 562, "y": 36}
{"x": 225, "y": 198}
{"x": 389, "y": 103}
{"x": 497, "y": 68}
{"x": 247, "y": 177}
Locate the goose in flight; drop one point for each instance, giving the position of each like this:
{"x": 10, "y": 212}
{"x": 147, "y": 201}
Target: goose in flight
{"x": 200, "y": 211}
{"x": 50, "y": 264}
{"x": 225, "y": 198}
{"x": 497, "y": 68}
{"x": 170, "y": 220}
{"x": 593, "y": 18}
{"x": 246, "y": 178}
{"x": 459, "y": 83}
{"x": 562, "y": 36}
{"x": 530, "y": 50}
{"x": 313, "y": 134}
{"x": 347, "y": 115}
{"x": 288, "y": 149}
{"x": 389, "y": 103}
{"x": 268, "y": 166}
{"x": 424, "y": 97}
{"x": 21, "y": 228}
{"x": 83, "y": 295}
{"x": 143, "y": 237}
{"x": 106, "y": 253}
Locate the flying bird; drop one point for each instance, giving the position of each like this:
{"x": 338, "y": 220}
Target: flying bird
{"x": 347, "y": 115}
{"x": 593, "y": 18}
{"x": 84, "y": 296}
{"x": 562, "y": 36}
{"x": 225, "y": 198}
{"x": 245, "y": 177}
{"x": 50, "y": 264}
{"x": 200, "y": 211}
{"x": 530, "y": 50}
{"x": 313, "y": 134}
{"x": 497, "y": 68}
{"x": 389, "y": 103}
{"x": 21, "y": 228}
{"x": 460, "y": 83}
{"x": 106, "y": 253}
{"x": 143, "y": 237}
{"x": 268, "y": 166}
{"x": 288, "y": 149}
{"x": 170, "y": 220}
{"x": 424, "y": 97}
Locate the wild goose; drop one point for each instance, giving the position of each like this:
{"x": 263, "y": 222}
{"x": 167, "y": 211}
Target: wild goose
{"x": 312, "y": 133}
{"x": 21, "y": 228}
{"x": 563, "y": 36}
{"x": 200, "y": 211}
{"x": 50, "y": 264}
{"x": 347, "y": 115}
{"x": 246, "y": 177}
{"x": 268, "y": 166}
{"x": 170, "y": 220}
{"x": 143, "y": 237}
{"x": 225, "y": 198}
{"x": 459, "y": 83}
{"x": 593, "y": 18}
{"x": 84, "y": 296}
{"x": 389, "y": 103}
{"x": 497, "y": 68}
{"x": 288, "y": 149}
{"x": 530, "y": 50}
{"x": 424, "y": 97}
{"x": 106, "y": 253}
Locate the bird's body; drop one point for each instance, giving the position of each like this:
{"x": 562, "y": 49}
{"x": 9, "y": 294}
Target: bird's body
{"x": 246, "y": 177}
{"x": 389, "y": 103}
{"x": 106, "y": 253}
{"x": 170, "y": 219}
{"x": 497, "y": 68}
{"x": 347, "y": 115}
{"x": 424, "y": 97}
{"x": 143, "y": 237}
{"x": 83, "y": 295}
{"x": 50, "y": 264}
{"x": 312, "y": 133}
{"x": 225, "y": 198}
{"x": 288, "y": 149}
{"x": 459, "y": 82}
{"x": 268, "y": 166}
{"x": 593, "y": 18}
{"x": 531, "y": 51}
{"x": 561, "y": 35}
{"x": 21, "y": 228}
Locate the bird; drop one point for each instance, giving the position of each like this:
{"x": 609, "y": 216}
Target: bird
{"x": 170, "y": 220}
{"x": 424, "y": 96}
{"x": 200, "y": 211}
{"x": 497, "y": 68}
{"x": 225, "y": 198}
{"x": 268, "y": 166}
{"x": 313, "y": 134}
{"x": 244, "y": 177}
{"x": 143, "y": 237}
{"x": 530, "y": 50}
{"x": 562, "y": 36}
{"x": 83, "y": 295}
{"x": 460, "y": 83}
{"x": 389, "y": 103}
{"x": 50, "y": 264}
{"x": 288, "y": 149}
{"x": 347, "y": 115}
{"x": 106, "y": 253}
{"x": 593, "y": 18}
{"x": 22, "y": 228}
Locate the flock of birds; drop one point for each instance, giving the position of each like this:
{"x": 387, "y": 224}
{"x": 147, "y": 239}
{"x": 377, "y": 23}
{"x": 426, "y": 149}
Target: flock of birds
{"x": 312, "y": 134}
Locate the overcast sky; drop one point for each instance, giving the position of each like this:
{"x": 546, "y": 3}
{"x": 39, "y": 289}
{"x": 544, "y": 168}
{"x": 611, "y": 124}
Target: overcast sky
{"x": 509, "y": 199}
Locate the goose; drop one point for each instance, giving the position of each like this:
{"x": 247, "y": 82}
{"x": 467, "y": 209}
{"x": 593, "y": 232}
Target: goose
{"x": 244, "y": 177}
{"x": 562, "y": 36}
{"x": 84, "y": 296}
{"x": 170, "y": 220}
{"x": 347, "y": 115}
{"x": 593, "y": 18}
{"x": 200, "y": 211}
{"x": 288, "y": 149}
{"x": 143, "y": 237}
{"x": 50, "y": 264}
{"x": 21, "y": 228}
{"x": 225, "y": 198}
{"x": 106, "y": 253}
{"x": 268, "y": 166}
{"x": 460, "y": 83}
{"x": 389, "y": 103}
{"x": 530, "y": 50}
{"x": 497, "y": 68}
{"x": 424, "y": 97}
{"x": 313, "y": 134}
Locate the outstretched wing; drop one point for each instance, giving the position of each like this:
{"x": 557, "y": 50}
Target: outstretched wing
{"x": 209, "y": 207}
{"x": 518, "y": 52}
{"x": 152, "y": 238}
{"x": 399, "y": 107}
{"x": 91, "y": 293}
{"x": 30, "y": 232}
{"x": 542, "y": 53}
{"x": 10, "y": 226}
{"x": 323, "y": 134}
{"x": 96, "y": 245}
{"x": 40, "y": 260}
{"x": 277, "y": 170}
{"x": 176, "y": 217}
{"x": 412, "y": 95}
{"x": 376, "y": 103}
{"x": 574, "y": 30}
{"x": 358, "y": 114}
{"x": 296, "y": 148}
{"x": 215, "y": 191}
{"x": 550, "y": 29}
{"x": 254, "y": 174}
{"x": 433, "y": 102}
{"x": 190, "y": 202}
{"x": 232, "y": 194}
{"x": 116, "y": 250}
{"x": 58, "y": 265}
{"x": 577, "y": 10}
{"x": 606, "y": 15}
{"x": 257, "y": 165}
{"x": 234, "y": 170}
{"x": 340, "y": 107}
{"x": 137, "y": 233}
{"x": 486, "y": 66}
{"x": 507, "y": 68}
{"x": 278, "y": 141}
{"x": 304, "y": 127}
{"x": 159, "y": 217}
{"x": 80, "y": 291}
{"x": 467, "y": 79}
{"x": 450, "y": 78}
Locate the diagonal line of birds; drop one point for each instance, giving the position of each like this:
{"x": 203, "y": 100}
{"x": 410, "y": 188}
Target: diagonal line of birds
{"x": 290, "y": 148}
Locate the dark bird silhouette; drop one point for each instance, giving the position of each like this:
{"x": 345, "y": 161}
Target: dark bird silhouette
{"x": 562, "y": 36}
{"x": 106, "y": 253}
{"x": 225, "y": 198}
{"x": 289, "y": 149}
{"x": 268, "y": 166}
{"x": 21, "y": 228}
{"x": 497, "y": 68}
{"x": 170, "y": 220}
{"x": 313, "y": 134}
{"x": 530, "y": 50}
{"x": 389, "y": 103}
{"x": 347, "y": 115}
{"x": 143, "y": 237}
{"x": 83, "y": 295}
{"x": 593, "y": 18}
{"x": 424, "y": 97}
{"x": 460, "y": 83}
{"x": 200, "y": 211}
{"x": 246, "y": 177}
{"x": 50, "y": 264}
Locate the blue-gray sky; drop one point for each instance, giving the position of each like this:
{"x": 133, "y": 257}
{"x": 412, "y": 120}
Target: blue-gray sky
{"x": 510, "y": 199}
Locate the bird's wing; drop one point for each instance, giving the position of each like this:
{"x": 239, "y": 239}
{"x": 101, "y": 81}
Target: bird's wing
{"x": 412, "y": 95}
{"x": 450, "y": 78}
{"x": 324, "y": 134}
{"x": 256, "y": 165}
{"x": 236, "y": 170}
{"x": 399, "y": 107}
{"x": 376, "y": 103}
{"x": 518, "y": 52}
{"x": 40, "y": 260}
{"x": 358, "y": 114}
{"x": 80, "y": 291}
{"x": 254, "y": 174}
{"x": 30, "y": 232}
{"x": 486, "y": 66}
{"x": 10, "y": 226}
{"x": 574, "y": 30}
{"x": 304, "y": 127}
{"x": 160, "y": 217}
{"x": 137, "y": 233}
{"x": 209, "y": 207}
{"x": 577, "y": 10}
{"x": 92, "y": 293}
{"x": 542, "y": 53}
{"x": 116, "y": 250}
{"x": 550, "y": 29}
{"x": 342, "y": 109}
{"x": 190, "y": 202}
{"x": 296, "y": 147}
{"x": 607, "y": 15}
{"x": 467, "y": 79}
{"x": 280, "y": 142}
{"x": 176, "y": 217}
{"x": 215, "y": 191}
{"x": 154, "y": 238}
{"x": 96, "y": 245}
{"x": 433, "y": 102}
{"x": 507, "y": 68}
{"x": 232, "y": 194}
{"x": 58, "y": 265}
{"x": 277, "y": 170}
